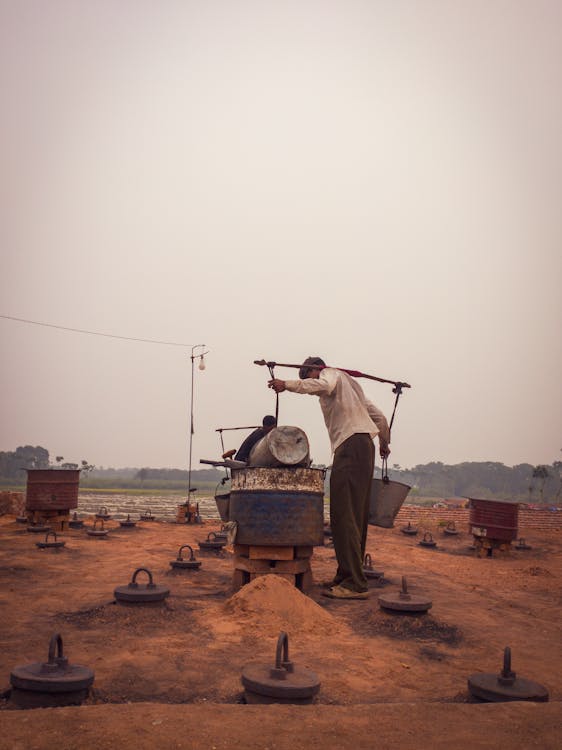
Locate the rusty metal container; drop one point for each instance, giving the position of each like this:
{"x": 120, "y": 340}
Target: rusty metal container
{"x": 52, "y": 489}
{"x": 386, "y": 500}
{"x": 278, "y": 506}
{"x": 223, "y": 506}
{"x": 283, "y": 446}
{"x": 493, "y": 519}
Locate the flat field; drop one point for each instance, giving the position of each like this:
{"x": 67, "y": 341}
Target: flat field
{"x": 169, "y": 675}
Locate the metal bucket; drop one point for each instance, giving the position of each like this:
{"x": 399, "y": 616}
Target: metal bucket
{"x": 278, "y": 506}
{"x": 223, "y": 506}
{"x": 386, "y": 500}
{"x": 283, "y": 446}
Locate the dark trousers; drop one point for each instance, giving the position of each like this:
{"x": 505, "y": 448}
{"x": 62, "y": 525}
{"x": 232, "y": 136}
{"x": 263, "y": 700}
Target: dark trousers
{"x": 350, "y": 492}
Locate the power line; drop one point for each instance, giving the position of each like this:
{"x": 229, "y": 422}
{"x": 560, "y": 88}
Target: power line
{"x": 94, "y": 333}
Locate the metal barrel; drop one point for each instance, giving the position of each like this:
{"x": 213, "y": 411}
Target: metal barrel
{"x": 52, "y": 489}
{"x": 494, "y": 519}
{"x": 278, "y": 506}
{"x": 283, "y": 446}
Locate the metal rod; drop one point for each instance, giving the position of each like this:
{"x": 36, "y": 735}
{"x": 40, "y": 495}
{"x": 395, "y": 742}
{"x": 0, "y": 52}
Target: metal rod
{"x": 271, "y": 367}
{"x": 353, "y": 373}
{"x": 251, "y": 427}
{"x": 193, "y": 357}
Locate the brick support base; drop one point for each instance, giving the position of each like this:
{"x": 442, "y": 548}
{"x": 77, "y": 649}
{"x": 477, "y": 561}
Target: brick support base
{"x": 291, "y": 563}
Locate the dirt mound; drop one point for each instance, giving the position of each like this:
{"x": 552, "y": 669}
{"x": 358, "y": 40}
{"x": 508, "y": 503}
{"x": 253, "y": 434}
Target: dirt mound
{"x": 276, "y": 603}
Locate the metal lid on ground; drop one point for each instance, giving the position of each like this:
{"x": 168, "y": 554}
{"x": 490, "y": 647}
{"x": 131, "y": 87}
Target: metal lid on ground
{"x": 75, "y": 523}
{"x": 127, "y": 523}
{"x": 282, "y": 683}
{"x": 182, "y": 564}
{"x": 56, "y": 675}
{"x": 39, "y": 528}
{"x": 95, "y": 532}
{"x": 506, "y": 686}
{"x": 368, "y": 568}
{"x": 50, "y": 544}
{"x": 409, "y": 529}
{"x": 141, "y": 593}
{"x": 212, "y": 542}
{"x": 427, "y": 540}
{"x": 403, "y": 601}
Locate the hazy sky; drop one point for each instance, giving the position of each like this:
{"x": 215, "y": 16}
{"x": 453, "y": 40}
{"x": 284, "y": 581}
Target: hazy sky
{"x": 378, "y": 183}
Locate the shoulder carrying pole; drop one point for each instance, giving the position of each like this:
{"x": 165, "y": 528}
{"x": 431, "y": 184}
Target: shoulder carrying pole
{"x": 353, "y": 373}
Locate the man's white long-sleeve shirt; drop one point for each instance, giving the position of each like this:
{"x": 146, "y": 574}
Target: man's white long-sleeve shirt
{"x": 345, "y": 407}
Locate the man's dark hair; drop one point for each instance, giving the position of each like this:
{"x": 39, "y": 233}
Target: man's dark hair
{"x": 269, "y": 421}
{"x": 305, "y": 368}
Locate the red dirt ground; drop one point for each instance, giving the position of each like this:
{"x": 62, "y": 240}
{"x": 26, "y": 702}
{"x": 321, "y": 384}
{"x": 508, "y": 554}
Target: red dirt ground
{"x": 168, "y": 676}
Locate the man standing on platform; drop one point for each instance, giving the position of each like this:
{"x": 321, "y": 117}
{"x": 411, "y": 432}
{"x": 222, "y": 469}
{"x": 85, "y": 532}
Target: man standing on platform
{"x": 352, "y": 422}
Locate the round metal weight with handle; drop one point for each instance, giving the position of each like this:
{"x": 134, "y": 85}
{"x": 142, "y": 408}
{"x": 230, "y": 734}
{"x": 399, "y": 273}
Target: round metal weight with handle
{"x": 95, "y": 532}
{"x": 451, "y": 529}
{"x": 212, "y": 542}
{"x": 51, "y": 683}
{"x": 103, "y": 514}
{"x": 50, "y": 545}
{"x": 75, "y": 523}
{"x": 40, "y": 528}
{"x": 282, "y": 683}
{"x": 147, "y": 516}
{"x": 403, "y": 601}
{"x": 127, "y": 523}
{"x": 427, "y": 540}
{"x": 506, "y": 686}
{"x": 368, "y": 569}
{"x": 141, "y": 593}
{"x": 222, "y": 536}
{"x": 189, "y": 564}
{"x": 409, "y": 529}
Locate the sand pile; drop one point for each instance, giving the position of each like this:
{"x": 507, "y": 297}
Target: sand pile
{"x": 275, "y": 603}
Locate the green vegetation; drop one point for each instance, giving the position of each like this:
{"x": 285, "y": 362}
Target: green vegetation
{"x": 485, "y": 479}
{"x": 14, "y": 463}
{"x": 203, "y": 489}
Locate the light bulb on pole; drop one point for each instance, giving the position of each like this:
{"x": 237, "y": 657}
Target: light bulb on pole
{"x": 200, "y": 357}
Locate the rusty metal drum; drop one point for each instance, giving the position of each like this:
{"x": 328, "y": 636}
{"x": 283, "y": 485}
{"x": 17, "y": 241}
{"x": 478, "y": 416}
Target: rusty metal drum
{"x": 283, "y": 446}
{"x": 52, "y": 489}
{"x": 278, "y": 506}
{"x": 494, "y": 519}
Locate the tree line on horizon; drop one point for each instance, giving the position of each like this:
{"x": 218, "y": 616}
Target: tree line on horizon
{"x": 478, "y": 479}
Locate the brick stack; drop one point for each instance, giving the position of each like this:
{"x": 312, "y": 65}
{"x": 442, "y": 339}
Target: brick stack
{"x": 489, "y": 547}
{"x": 56, "y": 519}
{"x": 12, "y": 502}
{"x": 291, "y": 563}
{"x": 187, "y": 512}
{"x": 538, "y": 519}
